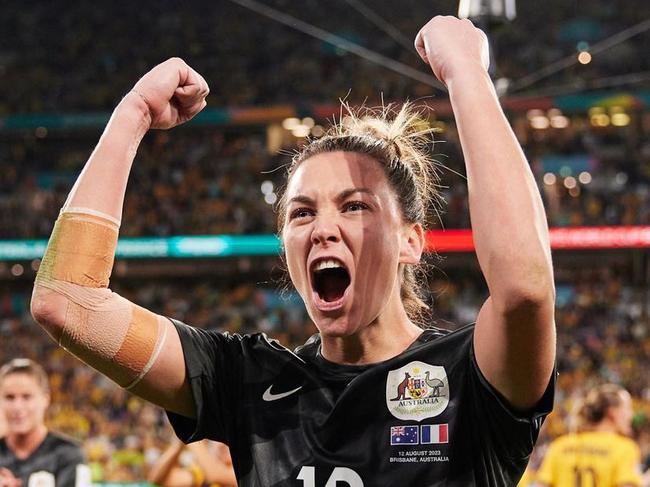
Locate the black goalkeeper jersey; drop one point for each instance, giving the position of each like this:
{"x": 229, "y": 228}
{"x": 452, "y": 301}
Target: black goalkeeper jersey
{"x": 56, "y": 462}
{"x": 426, "y": 418}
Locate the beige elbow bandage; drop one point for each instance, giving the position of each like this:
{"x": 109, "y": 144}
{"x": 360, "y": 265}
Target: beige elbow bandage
{"x": 109, "y": 333}
{"x": 81, "y": 250}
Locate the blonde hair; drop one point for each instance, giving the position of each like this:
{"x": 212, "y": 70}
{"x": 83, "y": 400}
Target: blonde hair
{"x": 597, "y": 402}
{"x": 28, "y": 367}
{"x": 399, "y": 138}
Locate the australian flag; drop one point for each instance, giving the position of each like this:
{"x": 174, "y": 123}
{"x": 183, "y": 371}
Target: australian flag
{"x": 404, "y": 435}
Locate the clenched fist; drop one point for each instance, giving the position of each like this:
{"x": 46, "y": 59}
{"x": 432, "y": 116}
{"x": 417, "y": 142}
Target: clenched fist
{"x": 173, "y": 93}
{"x": 450, "y": 45}
{"x": 7, "y": 478}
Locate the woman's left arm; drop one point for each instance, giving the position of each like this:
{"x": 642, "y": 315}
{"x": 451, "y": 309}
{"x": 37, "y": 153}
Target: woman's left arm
{"x": 514, "y": 339}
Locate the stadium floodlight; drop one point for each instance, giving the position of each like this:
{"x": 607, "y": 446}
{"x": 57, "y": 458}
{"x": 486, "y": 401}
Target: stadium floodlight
{"x": 490, "y": 10}
{"x": 488, "y": 14}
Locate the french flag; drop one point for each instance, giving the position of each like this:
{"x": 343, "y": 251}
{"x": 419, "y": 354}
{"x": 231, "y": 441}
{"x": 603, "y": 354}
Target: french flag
{"x": 434, "y": 433}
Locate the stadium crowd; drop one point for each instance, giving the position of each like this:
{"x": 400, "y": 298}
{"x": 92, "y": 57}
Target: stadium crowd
{"x": 64, "y": 65}
{"x": 603, "y": 325}
{"x": 208, "y": 181}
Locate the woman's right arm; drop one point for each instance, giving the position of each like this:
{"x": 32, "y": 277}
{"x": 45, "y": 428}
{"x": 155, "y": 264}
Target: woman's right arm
{"x": 136, "y": 348}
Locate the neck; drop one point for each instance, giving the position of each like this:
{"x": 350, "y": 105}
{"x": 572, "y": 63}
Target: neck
{"x": 385, "y": 337}
{"x": 25, "y": 443}
{"x": 605, "y": 426}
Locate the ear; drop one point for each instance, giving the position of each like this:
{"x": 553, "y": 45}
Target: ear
{"x": 412, "y": 242}
{"x": 611, "y": 414}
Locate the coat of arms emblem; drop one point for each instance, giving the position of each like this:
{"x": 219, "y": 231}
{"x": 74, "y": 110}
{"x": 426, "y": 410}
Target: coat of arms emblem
{"x": 417, "y": 391}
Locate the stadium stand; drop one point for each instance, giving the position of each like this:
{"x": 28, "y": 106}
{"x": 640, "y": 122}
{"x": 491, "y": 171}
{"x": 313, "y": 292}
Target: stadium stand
{"x": 591, "y": 160}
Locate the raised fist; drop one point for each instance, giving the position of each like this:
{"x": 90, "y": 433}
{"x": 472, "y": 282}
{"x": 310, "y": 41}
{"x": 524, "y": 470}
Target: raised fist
{"x": 450, "y": 45}
{"x": 7, "y": 478}
{"x": 173, "y": 92}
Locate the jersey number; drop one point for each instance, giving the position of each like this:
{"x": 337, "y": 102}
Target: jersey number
{"x": 339, "y": 474}
{"x": 586, "y": 477}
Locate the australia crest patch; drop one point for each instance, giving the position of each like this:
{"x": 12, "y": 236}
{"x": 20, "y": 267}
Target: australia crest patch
{"x": 417, "y": 391}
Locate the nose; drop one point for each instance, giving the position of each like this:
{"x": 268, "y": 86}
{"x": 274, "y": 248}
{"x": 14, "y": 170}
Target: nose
{"x": 325, "y": 230}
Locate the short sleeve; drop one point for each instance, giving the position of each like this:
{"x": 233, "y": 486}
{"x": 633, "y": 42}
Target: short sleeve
{"x": 512, "y": 433}
{"x": 72, "y": 469}
{"x": 628, "y": 465}
{"x": 213, "y": 365}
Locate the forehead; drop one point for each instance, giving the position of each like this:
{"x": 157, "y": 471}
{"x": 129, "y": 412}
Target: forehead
{"x": 332, "y": 172}
{"x": 19, "y": 381}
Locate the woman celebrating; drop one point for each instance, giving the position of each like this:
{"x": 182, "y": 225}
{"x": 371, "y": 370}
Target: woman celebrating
{"x": 372, "y": 399}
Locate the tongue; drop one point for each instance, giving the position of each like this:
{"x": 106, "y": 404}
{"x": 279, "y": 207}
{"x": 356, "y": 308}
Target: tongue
{"x": 332, "y": 286}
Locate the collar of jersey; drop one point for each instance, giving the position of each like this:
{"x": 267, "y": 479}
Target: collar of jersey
{"x": 333, "y": 371}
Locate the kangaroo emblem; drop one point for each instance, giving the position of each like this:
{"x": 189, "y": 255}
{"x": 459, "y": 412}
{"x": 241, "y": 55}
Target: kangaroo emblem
{"x": 401, "y": 388}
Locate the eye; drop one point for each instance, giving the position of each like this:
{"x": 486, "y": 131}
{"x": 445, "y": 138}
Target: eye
{"x": 301, "y": 213}
{"x": 355, "y": 206}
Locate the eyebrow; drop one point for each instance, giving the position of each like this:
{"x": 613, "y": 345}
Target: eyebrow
{"x": 343, "y": 195}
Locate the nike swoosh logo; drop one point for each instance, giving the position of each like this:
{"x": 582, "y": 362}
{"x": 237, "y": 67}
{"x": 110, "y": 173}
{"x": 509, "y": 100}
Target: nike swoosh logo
{"x": 268, "y": 396}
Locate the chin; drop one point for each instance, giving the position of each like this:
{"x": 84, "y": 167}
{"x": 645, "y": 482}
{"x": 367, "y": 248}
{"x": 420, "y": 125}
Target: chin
{"x": 335, "y": 327}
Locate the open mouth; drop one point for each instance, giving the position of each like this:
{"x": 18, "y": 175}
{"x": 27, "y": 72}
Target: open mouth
{"x": 330, "y": 279}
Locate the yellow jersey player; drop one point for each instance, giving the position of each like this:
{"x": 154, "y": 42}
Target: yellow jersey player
{"x": 601, "y": 454}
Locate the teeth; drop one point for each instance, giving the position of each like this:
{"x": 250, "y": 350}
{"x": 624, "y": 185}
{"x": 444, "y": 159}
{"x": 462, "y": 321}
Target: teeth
{"x": 327, "y": 264}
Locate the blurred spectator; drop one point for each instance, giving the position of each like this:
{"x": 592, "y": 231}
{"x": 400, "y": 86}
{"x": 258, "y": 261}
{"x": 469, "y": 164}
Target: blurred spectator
{"x": 30, "y": 454}
{"x": 600, "y": 452}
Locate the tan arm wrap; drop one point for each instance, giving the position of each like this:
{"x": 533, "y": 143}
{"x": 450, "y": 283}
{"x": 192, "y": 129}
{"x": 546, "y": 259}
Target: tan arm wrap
{"x": 88, "y": 211}
{"x": 122, "y": 347}
{"x": 81, "y": 250}
{"x": 106, "y": 331}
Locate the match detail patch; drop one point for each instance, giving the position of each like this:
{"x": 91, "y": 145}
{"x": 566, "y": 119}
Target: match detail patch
{"x": 426, "y": 434}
